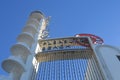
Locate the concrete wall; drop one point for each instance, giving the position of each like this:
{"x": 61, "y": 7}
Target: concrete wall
{"x": 107, "y": 56}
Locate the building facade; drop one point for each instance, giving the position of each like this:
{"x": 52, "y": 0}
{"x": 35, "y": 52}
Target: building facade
{"x": 80, "y": 57}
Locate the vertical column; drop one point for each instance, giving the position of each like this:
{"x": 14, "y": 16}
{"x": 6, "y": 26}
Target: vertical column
{"x": 19, "y": 65}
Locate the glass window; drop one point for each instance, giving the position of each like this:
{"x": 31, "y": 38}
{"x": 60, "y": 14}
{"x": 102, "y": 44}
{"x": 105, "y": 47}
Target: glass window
{"x": 118, "y": 57}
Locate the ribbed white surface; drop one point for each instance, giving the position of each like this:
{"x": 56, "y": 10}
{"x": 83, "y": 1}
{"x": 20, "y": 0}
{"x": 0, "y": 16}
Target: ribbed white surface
{"x": 26, "y": 38}
{"x": 12, "y": 63}
{"x": 20, "y": 49}
{"x": 30, "y": 28}
{"x": 17, "y": 64}
{"x": 33, "y": 21}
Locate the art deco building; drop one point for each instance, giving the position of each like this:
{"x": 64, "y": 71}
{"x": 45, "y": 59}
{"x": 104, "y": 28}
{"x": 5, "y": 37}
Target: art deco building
{"x": 79, "y": 57}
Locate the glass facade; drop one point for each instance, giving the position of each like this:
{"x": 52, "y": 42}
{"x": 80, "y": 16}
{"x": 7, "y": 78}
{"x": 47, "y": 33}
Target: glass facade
{"x": 71, "y": 61}
{"x": 82, "y": 66}
{"x": 62, "y": 70}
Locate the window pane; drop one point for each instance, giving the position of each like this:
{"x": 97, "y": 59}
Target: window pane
{"x": 118, "y": 57}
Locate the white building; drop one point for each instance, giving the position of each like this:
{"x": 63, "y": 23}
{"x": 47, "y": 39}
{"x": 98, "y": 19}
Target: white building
{"x": 99, "y": 61}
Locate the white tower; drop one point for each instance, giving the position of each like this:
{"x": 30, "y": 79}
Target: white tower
{"x": 82, "y": 57}
{"x": 19, "y": 64}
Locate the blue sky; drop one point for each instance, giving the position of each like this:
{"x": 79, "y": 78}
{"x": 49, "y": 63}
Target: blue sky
{"x": 68, "y": 17}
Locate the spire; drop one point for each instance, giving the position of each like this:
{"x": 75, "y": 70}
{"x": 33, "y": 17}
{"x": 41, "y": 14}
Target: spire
{"x": 44, "y": 31}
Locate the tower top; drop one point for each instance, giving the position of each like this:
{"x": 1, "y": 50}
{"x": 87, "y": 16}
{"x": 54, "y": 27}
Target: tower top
{"x": 37, "y": 12}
